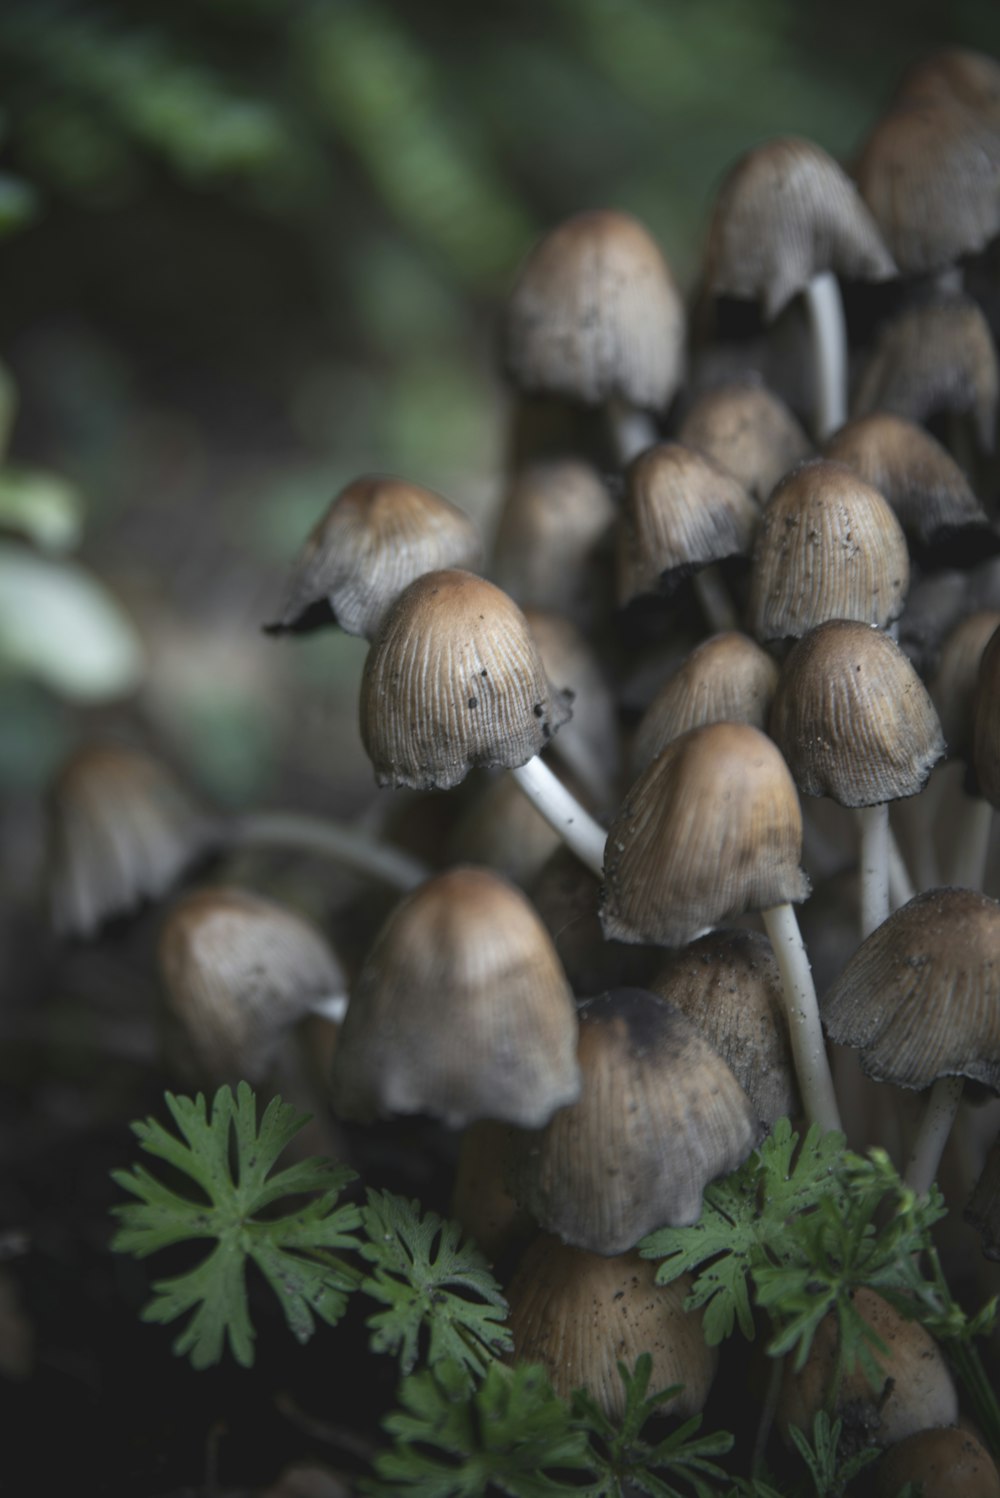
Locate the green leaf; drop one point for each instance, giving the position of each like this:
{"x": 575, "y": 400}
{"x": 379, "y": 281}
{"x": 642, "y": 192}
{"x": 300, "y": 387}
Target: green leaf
{"x": 293, "y": 1252}
{"x": 430, "y": 1278}
{"x": 508, "y": 1436}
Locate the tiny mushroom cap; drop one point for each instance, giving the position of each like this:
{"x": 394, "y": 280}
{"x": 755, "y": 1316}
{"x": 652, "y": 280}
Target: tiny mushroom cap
{"x": 930, "y": 495}
{"x": 711, "y": 829}
{"x": 682, "y": 512}
{"x": 986, "y": 723}
{"x": 953, "y": 686}
{"x": 946, "y": 1462}
{"x": 727, "y": 678}
{"x": 239, "y": 971}
{"x": 920, "y": 998}
{"x": 453, "y": 680}
{"x": 914, "y": 1393}
{"x": 462, "y": 1010}
{"x": 935, "y": 356}
{"x": 580, "y": 1314}
{"x": 375, "y": 537}
{"x": 749, "y": 431}
{"x": 956, "y": 73}
{"x": 660, "y": 1115}
{"x": 122, "y": 830}
{"x": 852, "y": 717}
{"x": 828, "y": 547}
{"x": 728, "y": 984}
{"x": 595, "y": 314}
{"x": 786, "y": 213}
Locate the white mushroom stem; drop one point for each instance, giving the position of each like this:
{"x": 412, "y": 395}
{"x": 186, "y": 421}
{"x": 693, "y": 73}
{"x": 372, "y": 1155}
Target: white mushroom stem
{"x": 972, "y": 842}
{"x": 632, "y": 430}
{"x": 874, "y": 822}
{"x": 352, "y": 848}
{"x": 901, "y": 887}
{"x": 802, "y": 1007}
{"x": 942, "y": 1105}
{"x": 561, "y": 809}
{"x": 829, "y": 340}
{"x": 714, "y": 600}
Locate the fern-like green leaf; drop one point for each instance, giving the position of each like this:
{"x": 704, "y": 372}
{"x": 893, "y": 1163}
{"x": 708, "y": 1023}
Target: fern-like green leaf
{"x": 229, "y": 1161}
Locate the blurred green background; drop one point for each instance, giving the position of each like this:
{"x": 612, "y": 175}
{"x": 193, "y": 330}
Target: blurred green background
{"x": 253, "y": 248}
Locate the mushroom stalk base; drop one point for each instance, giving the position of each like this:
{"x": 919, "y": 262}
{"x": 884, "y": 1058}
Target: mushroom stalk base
{"x": 353, "y": 849}
{"x": 802, "y": 1008}
{"x": 577, "y": 828}
{"x": 939, "y": 1115}
{"x": 829, "y": 340}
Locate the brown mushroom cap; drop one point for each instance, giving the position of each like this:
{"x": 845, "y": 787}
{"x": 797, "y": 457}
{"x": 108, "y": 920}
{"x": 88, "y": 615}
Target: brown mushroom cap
{"x": 852, "y": 717}
{"x": 828, "y": 547}
{"x": 944, "y": 1463}
{"x": 788, "y": 212}
{"x": 711, "y": 829}
{"x": 461, "y": 1010}
{"x": 595, "y": 313}
{"x": 953, "y": 688}
{"x": 920, "y": 998}
{"x": 453, "y": 680}
{"x": 749, "y": 431}
{"x": 580, "y": 1314}
{"x": 956, "y": 73}
{"x": 659, "y": 1116}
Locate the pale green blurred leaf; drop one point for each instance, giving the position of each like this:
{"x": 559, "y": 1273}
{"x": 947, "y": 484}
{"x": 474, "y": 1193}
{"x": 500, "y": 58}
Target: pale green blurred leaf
{"x": 18, "y": 203}
{"x": 41, "y": 506}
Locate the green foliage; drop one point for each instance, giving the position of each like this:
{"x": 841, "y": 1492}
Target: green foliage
{"x": 293, "y": 1251}
{"x": 427, "y": 1276}
{"x": 830, "y": 1475}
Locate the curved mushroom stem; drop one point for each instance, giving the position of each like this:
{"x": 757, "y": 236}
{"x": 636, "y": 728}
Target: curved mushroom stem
{"x": 354, "y": 849}
{"x": 874, "y": 866}
{"x": 829, "y": 340}
{"x": 935, "y": 1126}
{"x": 561, "y": 809}
{"x": 632, "y": 430}
{"x": 714, "y": 600}
{"x": 802, "y": 1008}
{"x": 973, "y": 843}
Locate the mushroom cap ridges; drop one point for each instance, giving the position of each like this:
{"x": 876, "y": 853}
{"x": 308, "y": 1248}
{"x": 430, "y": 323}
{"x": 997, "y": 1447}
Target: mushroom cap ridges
{"x": 828, "y": 547}
{"x": 454, "y": 680}
{"x": 852, "y": 717}
{"x": 238, "y": 971}
{"x": 920, "y": 999}
{"x": 788, "y": 212}
{"x": 595, "y": 313}
{"x": 579, "y": 1314}
{"x": 375, "y": 537}
{"x": 660, "y": 1115}
{"x": 461, "y": 1009}
{"x": 711, "y": 829}
{"x": 749, "y": 430}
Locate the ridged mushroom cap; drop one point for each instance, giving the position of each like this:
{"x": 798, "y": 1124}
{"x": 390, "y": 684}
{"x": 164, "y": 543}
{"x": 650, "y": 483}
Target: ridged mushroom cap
{"x": 579, "y": 1314}
{"x": 461, "y": 1010}
{"x": 929, "y": 494}
{"x": 788, "y": 212}
{"x": 728, "y": 678}
{"x": 553, "y": 522}
{"x": 711, "y": 829}
{"x": 986, "y": 723}
{"x": 930, "y": 174}
{"x": 934, "y": 357}
{"x": 852, "y": 717}
{"x": 595, "y": 313}
{"x": 453, "y": 680}
{"x": 659, "y": 1116}
{"x": 954, "y": 684}
{"x": 239, "y": 971}
{"x": 122, "y": 829}
{"x": 728, "y": 984}
{"x": 681, "y": 512}
{"x": 749, "y": 431}
{"x": 376, "y": 536}
{"x": 942, "y": 1463}
{"x": 828, "y": 547}
{"x": 920, "y": 998}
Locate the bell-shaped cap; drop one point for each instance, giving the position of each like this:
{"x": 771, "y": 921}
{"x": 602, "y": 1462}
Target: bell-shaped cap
{"x": 934, "y": 357}
{"x": 785, "y": 213}
{"x": 659, "y": 1116}
{"x": 453, "y": 680}
{"x": 596, "y": 314}
{"x": 852, "y": 717}
{"x": 239, "y": 971}
{"x": 711, "y": 829}
{"x": 580, "y": 1314}
{"x": 373, "y": 540}
{"x": 461, "y": 1010}
{"x": 123, "y": 829}
{"x": 553, "y": 523}
{"x": 920, "y": 998}
{"x": 958, "y": 74}
{"x": 681, "y": 512}
{"x": 938, "y": 1463}
{"x": 728, "y": 984}
{"x": 749, "y": 431}
{"x": 728, "y": 678}
{"x": 828, "y": 547}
